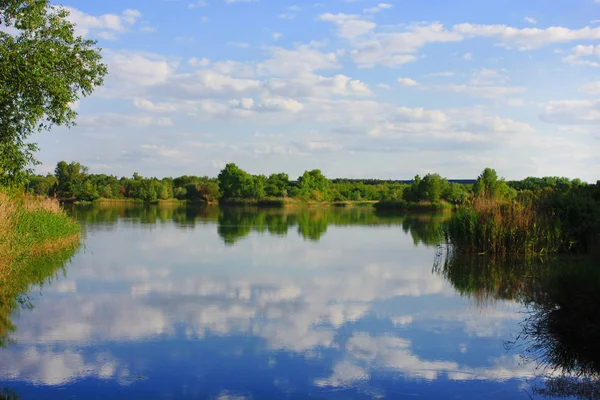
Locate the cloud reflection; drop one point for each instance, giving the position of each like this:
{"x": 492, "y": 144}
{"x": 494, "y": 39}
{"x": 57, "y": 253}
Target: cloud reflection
{"x": 358, "y": 293}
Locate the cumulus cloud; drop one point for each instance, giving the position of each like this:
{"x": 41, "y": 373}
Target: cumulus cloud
{"x": 117, "y": 120}
{"x": 106, "y": 26}
{"x": 407, "y": 82}
{"x": 530, "y": 20}
{"x": 349, "y": 26}
{"x": 572, "y": 112}
{"x": 592, "y": 88}
{"x": 378, "y": 8}
{"x": 527, "y": 38}
{"x": 580, "y": 52}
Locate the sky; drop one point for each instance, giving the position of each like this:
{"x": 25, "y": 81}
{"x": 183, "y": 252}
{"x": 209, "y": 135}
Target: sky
{"x": 356, "y": 88}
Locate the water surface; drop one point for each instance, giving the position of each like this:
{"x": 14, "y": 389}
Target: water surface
{"x": 208, "y": 303}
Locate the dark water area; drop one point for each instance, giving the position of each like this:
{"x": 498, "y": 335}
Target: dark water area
{"x": 177, "y": 302}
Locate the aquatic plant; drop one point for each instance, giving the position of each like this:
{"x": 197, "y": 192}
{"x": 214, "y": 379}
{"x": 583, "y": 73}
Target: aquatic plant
{"x": 502, "y": 228}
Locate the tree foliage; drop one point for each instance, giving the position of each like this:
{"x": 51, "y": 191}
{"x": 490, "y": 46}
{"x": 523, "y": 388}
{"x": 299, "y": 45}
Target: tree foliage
{"x": 44, "y": 70}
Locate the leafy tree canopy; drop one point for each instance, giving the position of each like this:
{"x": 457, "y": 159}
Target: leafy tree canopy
{"x": 44, "y": 69}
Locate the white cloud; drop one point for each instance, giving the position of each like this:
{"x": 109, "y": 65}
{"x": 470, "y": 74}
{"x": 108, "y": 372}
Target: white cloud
{"x": 488, "y": 77}
{"x": 108, "y": 26}
{"x": 242, "y": 45}
{"x": 269, "y": 104}
{"x": 407, "y": 82}
{"x": 195, "y": 62}
{"x": 581, "y": 51}
{"x": 393, "y": 49}
{"x": 143, "y": 69}
{"x": 468, "y": 56}
{"x": 527, "y": 38}
{"x": 378, "y": 8}
{"x": 119, "y": 120}
{"x": 436, "y": 74}
{"x": 572, "y": 112}
{"x": 287, "y": 16}
{"x": 349, "y": 26}
{"x": 530, "y": 20}
{"x": 592, "y": 88}
{"x": 488, "y": 92}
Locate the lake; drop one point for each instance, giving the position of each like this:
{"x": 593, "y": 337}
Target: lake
{"x": 177, "y": 302}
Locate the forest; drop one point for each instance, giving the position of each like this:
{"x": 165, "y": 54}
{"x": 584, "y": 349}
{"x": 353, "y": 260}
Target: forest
{"x": 73, "y": 182}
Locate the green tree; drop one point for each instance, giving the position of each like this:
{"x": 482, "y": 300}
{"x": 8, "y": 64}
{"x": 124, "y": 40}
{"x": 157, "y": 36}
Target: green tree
{"x": 277, "y": 185}
{"x": 313, "y": 185}
{"x": 431, "y": 188}
{"x": 166, "y": 190}
{"x": 44, "y": 69}
{"x": 235, "y": 182}
{"x": 489, "y": 185}
{"x": 70, "y": 179}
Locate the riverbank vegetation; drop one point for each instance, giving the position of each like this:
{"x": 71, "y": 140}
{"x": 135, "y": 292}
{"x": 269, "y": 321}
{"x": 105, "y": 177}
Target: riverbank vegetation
{"x": 31, "y": 226}
{"x": 530, "y": 218}
{"x": 234, "y": 186}
{"x": 36, "y": 237}
{"x": 45, "y": 69}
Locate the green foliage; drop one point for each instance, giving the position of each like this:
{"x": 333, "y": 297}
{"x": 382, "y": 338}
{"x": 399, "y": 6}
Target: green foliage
{"x": 277, "y": 185}
{"x": 237, "y": 183}
{"x": 488, "y": 185}
{"x": 44, "y": 70}
{"x": 313, "y": 185}
{"x": 504, "y": 229}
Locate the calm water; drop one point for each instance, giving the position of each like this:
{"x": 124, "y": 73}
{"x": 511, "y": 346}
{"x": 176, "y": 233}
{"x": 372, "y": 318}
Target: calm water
{"x": 176, "y": 303}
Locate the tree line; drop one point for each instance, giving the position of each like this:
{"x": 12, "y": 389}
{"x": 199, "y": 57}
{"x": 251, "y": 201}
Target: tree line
{"x": 73, "y": 182}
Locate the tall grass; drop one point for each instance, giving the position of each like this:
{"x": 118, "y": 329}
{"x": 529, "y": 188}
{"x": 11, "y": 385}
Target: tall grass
{"x": 31, "y": 226}
{"x": 504, "y": 229}
{"x": 36, "y": 238}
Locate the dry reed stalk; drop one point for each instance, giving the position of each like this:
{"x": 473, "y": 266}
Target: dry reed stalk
{"x": 40, "y": 203}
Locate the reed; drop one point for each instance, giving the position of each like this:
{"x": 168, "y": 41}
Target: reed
{"x": 487, "y": 226}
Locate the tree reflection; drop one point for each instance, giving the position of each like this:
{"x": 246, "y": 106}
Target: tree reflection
{"x": 486, "y": 279}
{"x": 560, "y": 333}
{"x": 236, "y": 223}
{"x": 9, "y": 394}
{"x": 19, "y": 280}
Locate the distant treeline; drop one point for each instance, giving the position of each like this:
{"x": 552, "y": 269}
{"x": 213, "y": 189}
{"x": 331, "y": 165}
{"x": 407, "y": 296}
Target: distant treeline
{"x": 73, "y": 182}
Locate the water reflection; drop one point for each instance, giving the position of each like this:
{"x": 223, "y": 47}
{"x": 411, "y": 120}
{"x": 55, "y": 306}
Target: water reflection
{"x": 7, "y": 394}
{"x": 209, "y": 303}
{"x": 560, "y": 332}
{"x": 236, "y": 223}
{"x": 22, "y": 277}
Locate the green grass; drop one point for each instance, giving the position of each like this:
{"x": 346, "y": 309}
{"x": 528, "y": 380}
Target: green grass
{"x": 504, "y": 229}
{"x": 32, "y": 226}
{"x": 36, "y": 238}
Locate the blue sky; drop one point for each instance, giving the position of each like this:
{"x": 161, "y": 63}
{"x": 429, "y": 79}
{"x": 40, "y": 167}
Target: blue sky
{"x": 359, "y": 88}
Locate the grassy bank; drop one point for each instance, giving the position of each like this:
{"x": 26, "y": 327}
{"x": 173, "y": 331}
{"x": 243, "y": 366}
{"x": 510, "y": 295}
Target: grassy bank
{"x": 32, "y": 226}
{"x": 36, "y": 238}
